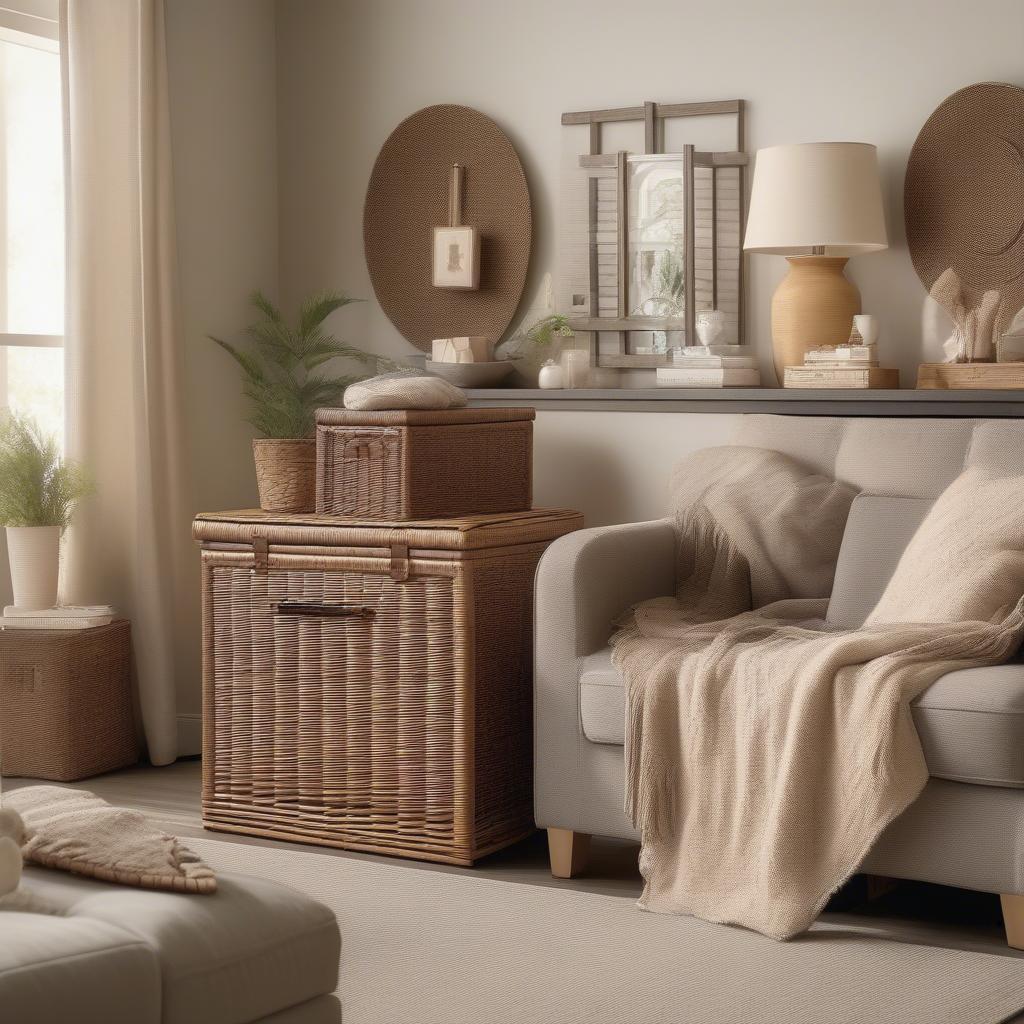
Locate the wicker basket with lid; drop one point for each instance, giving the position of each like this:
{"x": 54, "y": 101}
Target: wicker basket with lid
{"x": 423, "y": 464}
{"x": 369, "y": 685}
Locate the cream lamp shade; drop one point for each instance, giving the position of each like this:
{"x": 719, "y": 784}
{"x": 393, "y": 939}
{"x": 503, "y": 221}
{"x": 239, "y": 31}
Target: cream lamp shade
{"x": 816, "y": 194}
{"x": 817, "y": 204}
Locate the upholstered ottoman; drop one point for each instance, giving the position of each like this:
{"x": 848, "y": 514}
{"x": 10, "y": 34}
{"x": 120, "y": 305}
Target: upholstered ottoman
{"x": 79, "y": 969}
{"x": 255, "y": 951}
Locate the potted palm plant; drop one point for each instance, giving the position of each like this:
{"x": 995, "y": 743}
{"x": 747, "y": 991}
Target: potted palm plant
{"x": 39, "y": 490}
{"x": 283, "y": 379}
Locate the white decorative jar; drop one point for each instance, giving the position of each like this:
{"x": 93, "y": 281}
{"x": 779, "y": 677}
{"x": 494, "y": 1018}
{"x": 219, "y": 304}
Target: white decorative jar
{"x": 34, "y": 555}
{"x": 710, "y": 324}
{"x": 551, "y": 376}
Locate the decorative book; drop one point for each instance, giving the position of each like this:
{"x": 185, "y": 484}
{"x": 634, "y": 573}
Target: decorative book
{"x": 851, "y": 377}
{"x": 66, "y": 617}
{"x": 708, "y": 377}
{"x": 843, "y": 353}
{"x": 688, "y": 352}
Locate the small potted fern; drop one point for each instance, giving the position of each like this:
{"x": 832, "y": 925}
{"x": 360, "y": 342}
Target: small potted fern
{"x": 282, "y": 378}
{"x": 39, "y": 490}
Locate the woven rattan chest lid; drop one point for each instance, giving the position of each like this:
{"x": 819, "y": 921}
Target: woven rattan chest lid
{"x": 462, "y": 534}
{"x": 420, "y": 417}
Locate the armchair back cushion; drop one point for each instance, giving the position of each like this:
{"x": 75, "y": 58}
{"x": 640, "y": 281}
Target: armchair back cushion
{"x": 877, "y": 533}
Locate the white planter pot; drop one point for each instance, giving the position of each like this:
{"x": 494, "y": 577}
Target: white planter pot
{"x": 34, "y": 554}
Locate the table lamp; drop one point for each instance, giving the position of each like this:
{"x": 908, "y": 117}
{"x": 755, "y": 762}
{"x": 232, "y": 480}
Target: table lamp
{"x": 817, "y": 204}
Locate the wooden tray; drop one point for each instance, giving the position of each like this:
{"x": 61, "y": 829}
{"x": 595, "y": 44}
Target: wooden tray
{"x": 970, "y": 376}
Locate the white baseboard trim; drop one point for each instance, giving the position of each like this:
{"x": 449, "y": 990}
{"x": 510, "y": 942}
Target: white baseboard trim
{"x": 190, "y": 735}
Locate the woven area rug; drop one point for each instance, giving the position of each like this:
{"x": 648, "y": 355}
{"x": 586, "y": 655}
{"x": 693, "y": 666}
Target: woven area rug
{"x": 430, "y": 947}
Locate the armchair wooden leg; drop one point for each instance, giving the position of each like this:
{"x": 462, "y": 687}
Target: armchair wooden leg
{"x": 568, "y": 851}
{"x": 1013, "y": 919}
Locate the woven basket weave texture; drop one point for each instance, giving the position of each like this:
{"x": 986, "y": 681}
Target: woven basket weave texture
{"x": 66, "y": 702}
{"x": 424, "y": 466}
{"x": 369, "y": 686}
{"x": 408, "y": 196}
{"x": 285, "y": 473}
{"x": 963, "y": 196}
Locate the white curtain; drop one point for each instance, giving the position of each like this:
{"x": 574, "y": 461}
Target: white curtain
{"x": 130, "y": 543}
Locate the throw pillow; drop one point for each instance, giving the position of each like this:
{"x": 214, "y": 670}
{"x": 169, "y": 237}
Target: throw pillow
{"x": 76, "y": 831}
{"x": 966, "y": 561}
{"x": 403, "y": 390}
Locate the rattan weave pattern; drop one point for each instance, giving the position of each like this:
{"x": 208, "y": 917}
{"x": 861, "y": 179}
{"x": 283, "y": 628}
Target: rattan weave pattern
{"x": 428, "y": 536}
{"x": 407, "y": 198}
{"x": 420, "y": 417}
{"x": 66, "y": 702}
{"x": 424, "y": 471}
{"x": 402, "y": 727}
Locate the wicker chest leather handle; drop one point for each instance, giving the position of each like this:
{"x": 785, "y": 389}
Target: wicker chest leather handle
{"x": 325, "y": 611}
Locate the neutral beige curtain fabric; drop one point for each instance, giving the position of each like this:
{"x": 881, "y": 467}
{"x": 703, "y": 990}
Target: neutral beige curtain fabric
{"x": 130, "y": 542}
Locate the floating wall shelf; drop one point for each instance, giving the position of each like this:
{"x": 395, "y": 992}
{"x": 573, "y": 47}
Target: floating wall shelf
{"x": 791, "y": 402}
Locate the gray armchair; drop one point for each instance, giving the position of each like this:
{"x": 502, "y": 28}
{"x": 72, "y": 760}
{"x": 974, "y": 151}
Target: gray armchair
{"x": 966, "y": 829}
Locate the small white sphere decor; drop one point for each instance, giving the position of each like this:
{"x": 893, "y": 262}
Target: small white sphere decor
{"x": 551, "y": 376}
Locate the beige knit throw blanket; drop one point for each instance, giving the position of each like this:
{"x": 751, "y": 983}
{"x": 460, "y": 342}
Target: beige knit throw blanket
{"x": 765, "y": 751}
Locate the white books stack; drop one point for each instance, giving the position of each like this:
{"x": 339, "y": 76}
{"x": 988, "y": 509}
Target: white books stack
{"x": 843, "y": 357}
{"x": 845, "y": 366}
{"x": 66, "y": 617}
{"x": 711, "y": 366}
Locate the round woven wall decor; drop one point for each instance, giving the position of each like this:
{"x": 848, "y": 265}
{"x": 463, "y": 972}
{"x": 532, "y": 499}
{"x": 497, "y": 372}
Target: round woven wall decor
{"x": 408, "y": 197}
{"x": 963, "y": 195}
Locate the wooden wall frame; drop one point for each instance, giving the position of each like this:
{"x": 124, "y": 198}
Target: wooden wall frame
{"x": 653, "y": 116}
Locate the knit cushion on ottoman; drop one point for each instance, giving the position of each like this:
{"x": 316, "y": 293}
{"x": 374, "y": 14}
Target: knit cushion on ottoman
{"x": 403, "y": 390}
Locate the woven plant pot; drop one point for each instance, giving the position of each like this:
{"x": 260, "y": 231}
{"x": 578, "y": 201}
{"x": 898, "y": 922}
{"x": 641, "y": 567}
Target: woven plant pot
{"x": 285, "y": 474}
{"x": 34, "y": 554}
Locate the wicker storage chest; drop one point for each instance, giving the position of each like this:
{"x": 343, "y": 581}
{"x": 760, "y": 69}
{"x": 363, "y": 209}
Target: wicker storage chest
{"x": 66, "y": 702}
{"x": 423, "y": 464}
{"x": 369, "y": 686}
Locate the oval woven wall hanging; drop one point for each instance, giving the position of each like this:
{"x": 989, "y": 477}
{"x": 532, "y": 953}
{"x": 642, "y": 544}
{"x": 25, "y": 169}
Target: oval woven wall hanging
{"x": 964, "y": 196}
{"x": 408, "y": 196}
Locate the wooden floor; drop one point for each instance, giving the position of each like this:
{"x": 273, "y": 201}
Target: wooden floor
{"x": 911, "y": 912}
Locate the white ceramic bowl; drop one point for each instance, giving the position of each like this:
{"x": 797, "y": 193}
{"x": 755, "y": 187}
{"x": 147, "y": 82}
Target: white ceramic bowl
{"x": 472, "y": 375}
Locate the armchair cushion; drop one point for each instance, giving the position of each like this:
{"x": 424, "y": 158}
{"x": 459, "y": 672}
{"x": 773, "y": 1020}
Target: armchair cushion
{"x": 971, "y": 722}
{"x": 877, "y": 532}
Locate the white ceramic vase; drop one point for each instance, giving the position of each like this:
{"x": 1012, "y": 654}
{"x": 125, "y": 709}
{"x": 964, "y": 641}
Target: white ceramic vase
{"x": 34, "y": 554}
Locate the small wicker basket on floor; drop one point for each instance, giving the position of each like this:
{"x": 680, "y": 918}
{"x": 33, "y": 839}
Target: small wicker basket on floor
{"x": 369, "y": 686}
{"x": 424, "y": 464}
{"x": 66, "y": 702}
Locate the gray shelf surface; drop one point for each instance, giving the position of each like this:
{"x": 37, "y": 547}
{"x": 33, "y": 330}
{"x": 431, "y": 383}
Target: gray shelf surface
{"x": 788, "y": 401}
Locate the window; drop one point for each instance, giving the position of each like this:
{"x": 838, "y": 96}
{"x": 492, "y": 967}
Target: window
{"x": 31, "y": 216}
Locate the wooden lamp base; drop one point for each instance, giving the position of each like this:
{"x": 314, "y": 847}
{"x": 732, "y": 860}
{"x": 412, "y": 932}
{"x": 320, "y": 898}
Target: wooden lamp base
{"x": 815, "y": 305}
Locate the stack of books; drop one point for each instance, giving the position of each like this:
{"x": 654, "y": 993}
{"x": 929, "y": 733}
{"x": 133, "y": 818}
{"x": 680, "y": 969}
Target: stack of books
{"x": 842, "y": 366}
{"x": 710, "y": 366}
{"x": 66, "y": 617}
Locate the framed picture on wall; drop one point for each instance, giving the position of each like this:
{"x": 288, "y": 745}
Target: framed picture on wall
{"x": 456, "y": 258}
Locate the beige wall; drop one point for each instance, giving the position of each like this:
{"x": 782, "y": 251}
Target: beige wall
{"x": 221, "y": 56}
{"x": 811, "y": 70}
{"x": 279, "y": 110}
